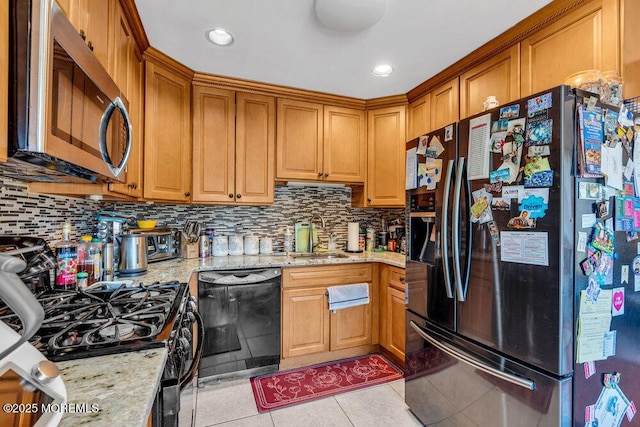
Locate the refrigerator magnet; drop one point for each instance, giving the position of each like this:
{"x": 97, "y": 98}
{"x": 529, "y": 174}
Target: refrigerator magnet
{"x": 636, "y": 266}
{"x": 499, "y": 175}
{"x": 540, "y": 133}
{"x": 448, "y": 133}
{"x": 494, "y": 232}
{"x": 522, "y": 221}
{"x": 611, "y": 380}
{"x": 422, "y": 145}
{"x": 535, "y": 206}
{"x": 631, "y": 412}
{"x": 538, "y": 150}
{"x": 510, "y": 112}
{"x": 543, "y": 178}
{"x": 617, "y": 302}
{"x": 500, "y": 204}
{"x": 624, "y": 275}
{"x": 542, "y": 102}
{"x": 603, "y": 239}
{"x": 611, "y": 406}
{"x": 480, "y": 211}
{"x": 494, "y": 187}
{"x": 589, "y": 369}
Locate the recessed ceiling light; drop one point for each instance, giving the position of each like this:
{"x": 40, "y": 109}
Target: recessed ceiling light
{"x": 382, "y": 70}
{"x": 220, "y": 37}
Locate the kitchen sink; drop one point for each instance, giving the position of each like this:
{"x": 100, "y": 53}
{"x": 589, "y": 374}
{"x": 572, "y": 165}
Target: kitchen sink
{"x": 318, "y": 255}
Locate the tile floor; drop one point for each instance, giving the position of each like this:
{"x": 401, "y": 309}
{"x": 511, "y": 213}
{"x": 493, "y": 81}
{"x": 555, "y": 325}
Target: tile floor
{"x": 232, "y": 404}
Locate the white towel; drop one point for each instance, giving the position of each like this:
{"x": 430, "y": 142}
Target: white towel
{"x": 348, "y": 295}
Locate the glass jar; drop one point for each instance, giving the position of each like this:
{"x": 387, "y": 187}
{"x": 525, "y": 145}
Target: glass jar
{"x": 489, "y": 103}
{"x": 616, "y": 84}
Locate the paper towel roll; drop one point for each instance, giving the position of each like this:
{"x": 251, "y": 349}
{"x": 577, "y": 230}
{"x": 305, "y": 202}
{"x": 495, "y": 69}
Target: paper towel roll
{"x": 352, "y": 237}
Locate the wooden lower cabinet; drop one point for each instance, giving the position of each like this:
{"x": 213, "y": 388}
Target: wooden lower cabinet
{"x": 305, "y": 321}
{"x": 392, "y": 311}
{"x": 311, "y": 333}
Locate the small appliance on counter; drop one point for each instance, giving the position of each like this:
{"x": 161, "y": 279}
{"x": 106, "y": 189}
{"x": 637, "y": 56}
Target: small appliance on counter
{"x": 40, "y": 263}
{"x": 28, "y": 377}
{"x": 162, "y": 243}
{"x": 133, "y": 255}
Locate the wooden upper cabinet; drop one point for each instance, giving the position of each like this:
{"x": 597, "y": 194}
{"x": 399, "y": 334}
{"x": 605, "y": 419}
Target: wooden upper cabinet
{"x": 91, "y": 19}
{"x": 213, "y": 145}
{"x": 167, "y": 147}
{"x": 299, "y": 143}
{"x": 386, "y": 156}
{"x": 630, "y": 49}
{"x": 345, "y": 144}
{"x": 444, "y": 105}
{"x": 584, "y": 39}
{"x": 135, "y": 93}
{"x": 418, "y": 117}
{"x": 316, "y": 142}
{"x": 4, "y": 79}
{"x": 255, "y": 149}
{"x": 122, "y": 47}
{"x": 233, "y": 147}
{"x": 498, "y": 76}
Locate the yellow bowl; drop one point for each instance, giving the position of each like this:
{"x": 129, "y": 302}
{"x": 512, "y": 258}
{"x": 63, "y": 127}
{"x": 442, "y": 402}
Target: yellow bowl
{"x": 146, "y": 223}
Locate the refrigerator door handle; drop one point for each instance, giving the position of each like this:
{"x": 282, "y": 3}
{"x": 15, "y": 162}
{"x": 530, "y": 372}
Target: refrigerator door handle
{"x": 524, "y": 382}
{"x": 456, "y": 232}
{"x": 444, "y": 235}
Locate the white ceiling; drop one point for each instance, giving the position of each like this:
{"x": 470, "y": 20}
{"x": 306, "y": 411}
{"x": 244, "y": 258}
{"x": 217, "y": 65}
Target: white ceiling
{"x": 283, "y": 42}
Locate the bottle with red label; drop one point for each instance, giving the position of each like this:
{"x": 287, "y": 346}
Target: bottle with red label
{"x": 67, "y": 258}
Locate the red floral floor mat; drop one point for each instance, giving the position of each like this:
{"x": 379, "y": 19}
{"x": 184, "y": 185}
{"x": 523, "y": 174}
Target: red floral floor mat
{"x": 286, "y": 388}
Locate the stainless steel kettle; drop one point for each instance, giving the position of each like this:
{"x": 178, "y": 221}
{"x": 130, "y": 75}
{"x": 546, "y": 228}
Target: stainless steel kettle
{"x": 133, "y": 255}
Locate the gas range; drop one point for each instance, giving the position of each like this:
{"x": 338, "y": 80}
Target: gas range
{"x": 98, "y": 322}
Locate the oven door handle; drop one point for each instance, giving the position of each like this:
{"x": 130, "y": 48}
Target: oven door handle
{"x": 186, "y": 379}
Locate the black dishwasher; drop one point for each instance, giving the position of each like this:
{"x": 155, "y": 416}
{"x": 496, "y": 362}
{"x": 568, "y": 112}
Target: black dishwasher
{"x": 240, "y": 310}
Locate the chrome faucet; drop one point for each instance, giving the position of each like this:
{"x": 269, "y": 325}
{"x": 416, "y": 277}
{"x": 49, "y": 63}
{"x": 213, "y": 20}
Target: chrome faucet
{"x": 314, "y": 216}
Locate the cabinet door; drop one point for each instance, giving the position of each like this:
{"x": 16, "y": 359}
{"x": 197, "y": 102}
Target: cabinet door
{"x": 395, "y": 322}
{"x": 386, "y": 156}
{"x": 419, "y": 116}
{"x": 213, "y": 145}
{"x": 135, "y": 95}
{"x": 583, "y": 40}
{"x": 499, "y": 76}
{"x": 167, "y": 147}
{"x": 299, "y": 146}
{"x": 305, "y": 321}
{"x": 91, "y": 18}
{"x": 4, "y": 78}
{"x": 255, "y": 149}
{"x": 351, "y": 327}
{"x": 121, "y": 46}
{"x": 344, "y": 145}
{"x": 444, "y": 105}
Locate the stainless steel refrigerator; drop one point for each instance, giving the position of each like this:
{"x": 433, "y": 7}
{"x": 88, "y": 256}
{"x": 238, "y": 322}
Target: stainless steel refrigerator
{"x": 495, "y": 297}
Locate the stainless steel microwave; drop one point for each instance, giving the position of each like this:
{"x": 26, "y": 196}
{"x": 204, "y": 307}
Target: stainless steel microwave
{"x": 68, "y": 120}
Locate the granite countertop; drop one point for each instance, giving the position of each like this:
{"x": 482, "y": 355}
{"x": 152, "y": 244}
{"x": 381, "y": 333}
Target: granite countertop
{"x": 122, "y": 386}
{"x": 181, "y": 269}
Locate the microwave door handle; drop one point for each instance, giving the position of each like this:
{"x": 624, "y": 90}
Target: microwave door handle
{"x": 444, "y": 236}
{"x": 102, "y": 136}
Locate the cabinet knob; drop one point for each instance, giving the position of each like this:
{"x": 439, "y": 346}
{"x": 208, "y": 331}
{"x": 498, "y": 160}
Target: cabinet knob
{"x": 326, "y": 175}
{"x": 401, "y": 279}
{"x": 238, "y": 196}
{"x": 132, "y": 185}
{"x": 187, "y": 193}
{"x": 319, "y": 174}
{"x": 369, "y": 199}
{"x": 83, "y": 35}
{"x": 90, "y": 46}
{"x": 231, "y": 195}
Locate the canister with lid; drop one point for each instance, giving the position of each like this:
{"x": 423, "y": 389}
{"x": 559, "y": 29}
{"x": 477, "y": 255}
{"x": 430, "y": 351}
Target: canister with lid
{"x": 236, "y": 245}
{"x": 220, "y": 246}
{"x": 251, "y": 245}
{"x": 266, "y": 245}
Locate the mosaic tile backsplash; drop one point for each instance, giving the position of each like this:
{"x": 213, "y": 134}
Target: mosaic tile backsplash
{"x": 292, "y": 204}
{"x": 22, "y": 213}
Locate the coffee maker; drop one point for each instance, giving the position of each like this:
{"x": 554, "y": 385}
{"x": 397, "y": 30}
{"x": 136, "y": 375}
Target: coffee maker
{"x": 111, "y": 225}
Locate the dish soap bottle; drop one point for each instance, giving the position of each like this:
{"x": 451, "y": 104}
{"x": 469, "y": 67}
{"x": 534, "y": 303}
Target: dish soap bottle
{"x": 66, "y": 256}
{"x": 288, "y": 240}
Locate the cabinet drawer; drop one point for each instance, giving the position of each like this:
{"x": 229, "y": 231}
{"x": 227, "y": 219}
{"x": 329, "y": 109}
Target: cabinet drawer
{"x": 326, "y": 275}
{"x": 396, "y": 278}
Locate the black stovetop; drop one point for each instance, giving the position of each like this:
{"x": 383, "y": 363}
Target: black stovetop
{"x": 81, "y": 324}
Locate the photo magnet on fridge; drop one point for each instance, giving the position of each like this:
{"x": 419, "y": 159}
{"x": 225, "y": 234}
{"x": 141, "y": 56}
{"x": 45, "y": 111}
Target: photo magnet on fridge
{"x": 540, "y": 133}
{"x": 535, "y": 206}
{"x": 522, "y": 221}
{"x": 539, "y": 179}
{"x": 542, "y": 102}
{"x": 617, "y": 302}
{"x": 500, "y": 204}
{"x": 534, "y": 116}
{"x": 510, "y": 112}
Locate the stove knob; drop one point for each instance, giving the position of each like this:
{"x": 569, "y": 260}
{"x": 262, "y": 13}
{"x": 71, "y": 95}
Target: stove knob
{"x": 45, "y": 371}
{"x": 186, "y": 333}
